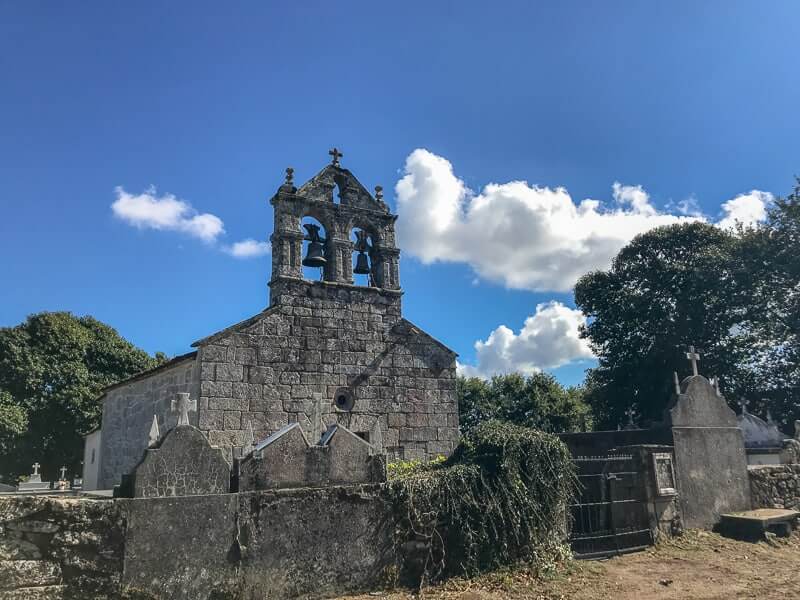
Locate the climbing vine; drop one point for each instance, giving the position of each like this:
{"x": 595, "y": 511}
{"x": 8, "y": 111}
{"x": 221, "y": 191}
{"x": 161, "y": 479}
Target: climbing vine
{"x": 500, "y": 498}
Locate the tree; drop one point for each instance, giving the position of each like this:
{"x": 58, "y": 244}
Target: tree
{"x": 669, "y": 288}
{"x": 538, "y": 401}
{"x": 53, "y": 367}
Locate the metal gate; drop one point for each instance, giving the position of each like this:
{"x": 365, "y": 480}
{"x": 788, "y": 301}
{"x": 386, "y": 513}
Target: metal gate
{"x": 610, "y": 514}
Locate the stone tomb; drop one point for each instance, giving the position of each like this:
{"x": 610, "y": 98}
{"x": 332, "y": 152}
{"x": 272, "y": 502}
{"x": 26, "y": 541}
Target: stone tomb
{"x": 34, "y": 482}
{"x": 710, "y": 459}
{"x": 286, "y": 460}
{"x": 183, "y": 463}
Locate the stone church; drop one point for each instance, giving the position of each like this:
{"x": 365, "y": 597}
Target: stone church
{"x": 323, "y": 352}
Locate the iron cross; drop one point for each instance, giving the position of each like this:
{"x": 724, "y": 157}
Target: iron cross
{"x": 63, "y": 472}
{"x": 693, "y": 357}
{"x": 182, "y": 405}
{"x": 36, "y": 468}
{"x": 336, "y": 154}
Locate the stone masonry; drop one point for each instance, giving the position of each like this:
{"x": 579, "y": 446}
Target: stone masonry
{"x": 324, "y": 352}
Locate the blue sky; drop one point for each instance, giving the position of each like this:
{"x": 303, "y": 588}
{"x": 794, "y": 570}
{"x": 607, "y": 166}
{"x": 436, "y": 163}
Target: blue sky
{"x": 686, "y": 106}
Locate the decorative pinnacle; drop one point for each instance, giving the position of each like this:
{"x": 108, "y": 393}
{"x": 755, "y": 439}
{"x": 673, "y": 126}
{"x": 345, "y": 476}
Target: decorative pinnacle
{"x": 336, "y": 154}
{"x": 289, "y": 176}
{"x": 676, "y": 382}
{"x": 379, "y": 193}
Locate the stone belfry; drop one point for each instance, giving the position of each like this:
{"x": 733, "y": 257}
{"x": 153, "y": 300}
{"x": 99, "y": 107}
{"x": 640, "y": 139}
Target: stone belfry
{"x": 338, "y": 201}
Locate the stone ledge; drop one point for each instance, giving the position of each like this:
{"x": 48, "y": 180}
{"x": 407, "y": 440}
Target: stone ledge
{"x": 47, "y": 592}
{"x": 28, "y": 573}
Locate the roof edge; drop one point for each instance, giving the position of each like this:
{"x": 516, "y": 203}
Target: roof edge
{"x": 231, "y": 328}
{"x": 170, "y": 363}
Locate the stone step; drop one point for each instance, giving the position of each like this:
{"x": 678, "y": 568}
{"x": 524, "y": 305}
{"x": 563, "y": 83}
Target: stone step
{"x": 28, "y": 573}
{"x": 45, "y": 592}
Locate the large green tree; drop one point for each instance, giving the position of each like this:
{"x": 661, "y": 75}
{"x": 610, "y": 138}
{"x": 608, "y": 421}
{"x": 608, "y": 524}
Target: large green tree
{"x": 538, "y": 401}
{"x": 669, "y": 288}
{"x": 53, "y": 367}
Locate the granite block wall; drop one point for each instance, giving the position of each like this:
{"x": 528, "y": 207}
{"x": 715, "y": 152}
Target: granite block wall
{"x": 289, "y": 363}
{"x": 775, "y": 486}
{"x": 58, "y": 548}
{"x": 128, "y": 411}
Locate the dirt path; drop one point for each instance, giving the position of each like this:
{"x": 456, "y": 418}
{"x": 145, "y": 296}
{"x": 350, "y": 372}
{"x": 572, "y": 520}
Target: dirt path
{"x": 697, "y": 566}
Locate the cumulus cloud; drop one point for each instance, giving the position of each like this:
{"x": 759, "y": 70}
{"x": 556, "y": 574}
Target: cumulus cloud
{"x": 548, "y": 339}
{"x": 248, "y": 248}
{"x": 520, "y": 235}
{"x": 747, "y": 209}
{"x": 148, "y": 210}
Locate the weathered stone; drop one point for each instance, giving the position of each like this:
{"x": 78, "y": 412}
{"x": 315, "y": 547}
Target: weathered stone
{"x": 28, "y": 573}
{"x": 183, "y": 464}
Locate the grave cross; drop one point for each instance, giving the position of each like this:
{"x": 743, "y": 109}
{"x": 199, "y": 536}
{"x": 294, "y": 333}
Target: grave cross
{"x": 336, "y": 154}
{"x": 182, "y": 405}
{"x": 63, "y": 472}
{"x": 630, "y": 413}
{"x": 693, "y": 357}
{"x": 36, "y": 468}
{"x": 743, "y": 404}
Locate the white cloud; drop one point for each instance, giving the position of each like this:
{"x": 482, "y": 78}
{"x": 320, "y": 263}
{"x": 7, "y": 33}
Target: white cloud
{"x": 525, "y": 236}
{"x": 248, "y": 248}
{"x": 150, "y": 211}
{"x": 547, "y": 340}
{"x": 747, "y": 209}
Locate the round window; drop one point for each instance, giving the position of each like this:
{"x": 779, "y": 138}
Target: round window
{"x": 344, "y": 399}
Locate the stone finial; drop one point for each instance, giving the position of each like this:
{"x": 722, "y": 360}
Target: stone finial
{"x": 379, "y": 193}
{"x": 182, "y": 405}
{"x": 693, "y": 357}
{"x": 154, "y": 435}
{"x": 289, "y": 177}
{"x": 251, "y": 440}
{"x": 336, "y": 154}
{"x": 677, "y": 383}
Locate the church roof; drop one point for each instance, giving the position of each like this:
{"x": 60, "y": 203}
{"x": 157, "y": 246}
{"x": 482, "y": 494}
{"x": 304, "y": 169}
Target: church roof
{"x": 210, "y": 339}
{"x": 162, "y": 367}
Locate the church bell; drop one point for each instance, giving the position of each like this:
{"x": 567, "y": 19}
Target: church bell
{"x": 315, "y": 257}
{"x": 362, "y": 264}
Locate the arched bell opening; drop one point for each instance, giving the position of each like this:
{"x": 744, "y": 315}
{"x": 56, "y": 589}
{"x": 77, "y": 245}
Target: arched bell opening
{"x": 363, "y": 257}
{"x": 316, "y": 258}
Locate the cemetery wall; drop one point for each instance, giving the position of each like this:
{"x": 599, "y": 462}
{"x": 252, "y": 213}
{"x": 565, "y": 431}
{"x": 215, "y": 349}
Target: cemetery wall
{"x": 289, "y": 363}
{"x": 54, "y": 548}
{"x": 775, "y": 486}
{"x": 128, "y": 410}
{"x": 267, "y": 544}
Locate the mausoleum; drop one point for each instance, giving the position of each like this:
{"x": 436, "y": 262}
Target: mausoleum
{"x": 324, "y": 352}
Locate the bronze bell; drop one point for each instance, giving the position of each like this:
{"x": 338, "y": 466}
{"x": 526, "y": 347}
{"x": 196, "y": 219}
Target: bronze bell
{"x": 315, "y": 257}
{"x": 362, "y": 264}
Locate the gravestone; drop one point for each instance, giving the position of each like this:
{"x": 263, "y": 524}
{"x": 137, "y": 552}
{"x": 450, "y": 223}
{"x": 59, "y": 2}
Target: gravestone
{"x": 34, "y": 482}
{"x": 286, "y": 460}
{"x": 710, "y": 459}
{"x": 182, "y": 463}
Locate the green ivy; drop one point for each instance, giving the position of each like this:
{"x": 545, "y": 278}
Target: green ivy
{"x": 500, "y": 498}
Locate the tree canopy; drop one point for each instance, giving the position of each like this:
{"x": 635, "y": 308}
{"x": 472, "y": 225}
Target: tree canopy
{"x": 732, "y": 294}
{"x": 53, "y": 367}
{"x": 538, "y": 401}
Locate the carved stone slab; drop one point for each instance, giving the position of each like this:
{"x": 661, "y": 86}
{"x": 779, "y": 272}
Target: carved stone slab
{"x": 183, "y": 464}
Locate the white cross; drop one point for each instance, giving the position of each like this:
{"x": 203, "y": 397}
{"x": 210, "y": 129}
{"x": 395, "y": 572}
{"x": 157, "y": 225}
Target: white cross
{"x": 743, "y": 404}
{"x": 36, "y": 468}
{"x": 630, "y": 414}
{"x": 63, "y": 472}
{"x": 183, "y": 405}
{"x": 693, "y": 357}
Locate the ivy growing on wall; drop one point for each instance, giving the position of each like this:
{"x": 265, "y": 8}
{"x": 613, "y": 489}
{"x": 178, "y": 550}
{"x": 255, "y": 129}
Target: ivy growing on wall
{"x": 500, "y": 498}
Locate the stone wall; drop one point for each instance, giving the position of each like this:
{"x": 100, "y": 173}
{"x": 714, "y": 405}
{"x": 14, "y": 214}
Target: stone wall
{"x": 128, "y": 411}
{"x": 775, "y": 486}
{"x": 288, "y": 363}
{"x": 55, "y": 547}
{"x": 278, "y": 544}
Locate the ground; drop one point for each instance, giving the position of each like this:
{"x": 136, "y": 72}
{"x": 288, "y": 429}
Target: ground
{"x": 697, "y": 566}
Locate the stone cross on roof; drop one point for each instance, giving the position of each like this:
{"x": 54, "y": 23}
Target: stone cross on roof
{"x": 693, "y": 358}
{"x": 36, "y": 467}
{"x": 182, "y": 405}
{"x": 336, "y": 154}
{"x": 63, "y": 472}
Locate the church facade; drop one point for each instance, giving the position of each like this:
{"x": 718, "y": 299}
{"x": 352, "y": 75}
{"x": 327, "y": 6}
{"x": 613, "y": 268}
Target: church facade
{"x": 323, "y": 352}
